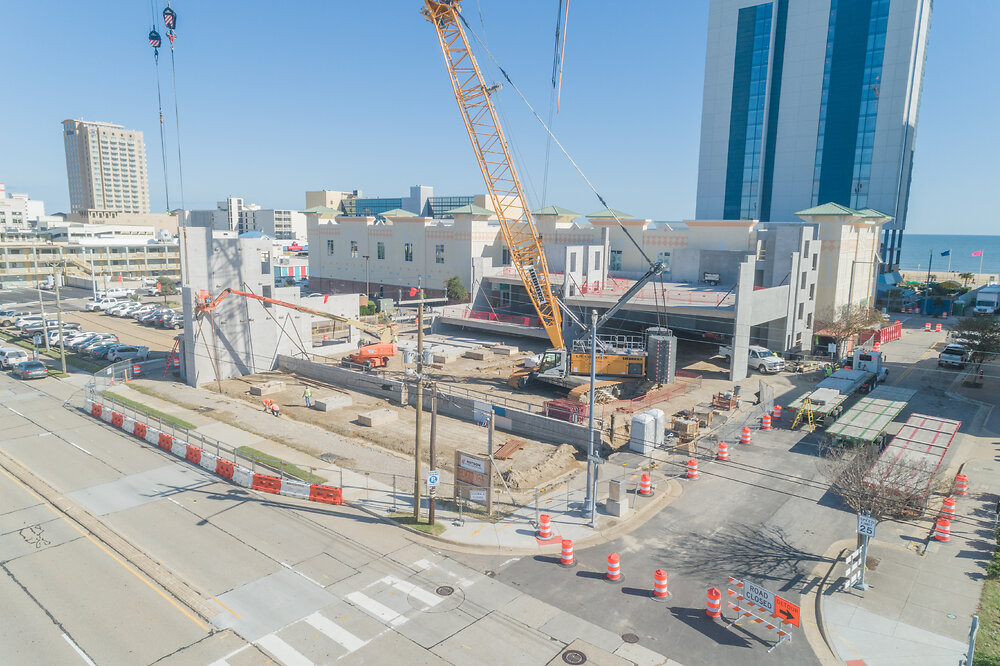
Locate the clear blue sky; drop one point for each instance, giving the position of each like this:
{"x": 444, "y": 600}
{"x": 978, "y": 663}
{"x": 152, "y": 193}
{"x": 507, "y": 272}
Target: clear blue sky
{"x": 281, "y": 97}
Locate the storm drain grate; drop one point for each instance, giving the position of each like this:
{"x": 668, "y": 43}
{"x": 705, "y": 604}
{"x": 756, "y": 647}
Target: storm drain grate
{"x": 574, "y": 657}
{"x": 445, "y": 591}
{"x": 630, "y": 638}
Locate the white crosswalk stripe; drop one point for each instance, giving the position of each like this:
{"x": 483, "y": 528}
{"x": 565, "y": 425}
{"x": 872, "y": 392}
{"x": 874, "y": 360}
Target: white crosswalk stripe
{"x": 375, "y": 609}
{"x": 341, "y": 636}
{"x": 283, "y": 652}
{"x": 428, "y": 598}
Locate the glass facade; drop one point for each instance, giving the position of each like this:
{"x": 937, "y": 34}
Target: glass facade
{"x": 746, "y": 119}
{"x": 845, "y": 137}
{"x": 369, "y": 207}
{"x": 437, "y": 207}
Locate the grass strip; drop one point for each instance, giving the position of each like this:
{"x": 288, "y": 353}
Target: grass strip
{"x": 75, "y": 360}
{"x": 165, "y": 418}
{"x": 408, "y": 520}
{"x": 307, "y": 475}
{"x": 988, "y": 638}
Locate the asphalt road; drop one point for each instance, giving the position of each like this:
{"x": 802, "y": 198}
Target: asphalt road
{"x": 221, "y": 575}
{"x": 765, "y": 516}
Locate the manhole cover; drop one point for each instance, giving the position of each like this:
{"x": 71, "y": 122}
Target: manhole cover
{"x": 574, "y": 657}
{"x": 630, "y": 638}
{"x": 445, "y": 590}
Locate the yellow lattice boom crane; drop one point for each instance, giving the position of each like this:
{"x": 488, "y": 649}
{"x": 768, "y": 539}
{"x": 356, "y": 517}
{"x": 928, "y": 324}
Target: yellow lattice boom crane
{"x": 522, "y": 238}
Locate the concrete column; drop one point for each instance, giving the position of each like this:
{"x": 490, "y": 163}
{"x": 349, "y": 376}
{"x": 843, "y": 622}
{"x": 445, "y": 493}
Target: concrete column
{"x": 741, "y": 322}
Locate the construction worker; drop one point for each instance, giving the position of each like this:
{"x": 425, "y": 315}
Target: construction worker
{"x": 308, "y": 395}
{"x": 267, "y": 404}
{"x": 275, "y": 408}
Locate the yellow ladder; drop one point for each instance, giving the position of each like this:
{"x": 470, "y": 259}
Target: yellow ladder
{"x": 807, "y": 411}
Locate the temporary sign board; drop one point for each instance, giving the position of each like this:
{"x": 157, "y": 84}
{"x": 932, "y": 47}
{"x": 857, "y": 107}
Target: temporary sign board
{"x": 866, "y": 525}
{"x": 477, "y": 495}
{"x": 471, "y": 463}
{"x": 762, "y": 597}
{"x": 787, "y": 611}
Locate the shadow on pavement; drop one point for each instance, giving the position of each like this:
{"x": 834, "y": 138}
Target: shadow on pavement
{"x": 714, "y": 629}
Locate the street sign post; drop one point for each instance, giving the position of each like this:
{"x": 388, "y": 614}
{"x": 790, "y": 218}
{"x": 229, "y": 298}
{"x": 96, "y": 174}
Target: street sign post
{"x": 866, "y": 525}
{"x": 866, "y": 528}
{"x": 434, "y": 478}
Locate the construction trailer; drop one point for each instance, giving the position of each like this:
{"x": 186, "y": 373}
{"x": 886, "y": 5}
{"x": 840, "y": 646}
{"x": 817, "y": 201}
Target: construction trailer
{"x": 866, "y": 421}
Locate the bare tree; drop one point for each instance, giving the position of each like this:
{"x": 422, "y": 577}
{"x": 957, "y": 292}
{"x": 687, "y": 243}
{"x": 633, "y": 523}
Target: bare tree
{"x": 879, "y": 487}
{"x": 848, "y": 322}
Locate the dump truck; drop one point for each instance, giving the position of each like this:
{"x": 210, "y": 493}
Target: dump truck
{"x": 826, "y": 401}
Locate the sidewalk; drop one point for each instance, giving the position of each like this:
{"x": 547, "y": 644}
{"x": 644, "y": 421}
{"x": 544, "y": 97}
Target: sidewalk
{"x": 923, "y": 592}
{"x": 296, "y": 443}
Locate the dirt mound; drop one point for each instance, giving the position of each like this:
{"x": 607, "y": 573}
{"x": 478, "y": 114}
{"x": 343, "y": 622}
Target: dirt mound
{"x": 561, "y": 461}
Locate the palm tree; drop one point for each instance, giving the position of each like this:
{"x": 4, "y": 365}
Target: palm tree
{"x": 966, "y": 277}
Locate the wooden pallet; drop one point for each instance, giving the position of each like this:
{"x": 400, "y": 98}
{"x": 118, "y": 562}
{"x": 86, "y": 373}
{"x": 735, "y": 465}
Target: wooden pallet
{"x": 510, "y": 448}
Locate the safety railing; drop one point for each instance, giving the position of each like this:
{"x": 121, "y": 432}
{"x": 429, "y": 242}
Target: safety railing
{"x": 460, "y": 312}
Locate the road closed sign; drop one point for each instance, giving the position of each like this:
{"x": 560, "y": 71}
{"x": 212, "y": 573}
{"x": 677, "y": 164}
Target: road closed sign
{"x": 762, "y": 597}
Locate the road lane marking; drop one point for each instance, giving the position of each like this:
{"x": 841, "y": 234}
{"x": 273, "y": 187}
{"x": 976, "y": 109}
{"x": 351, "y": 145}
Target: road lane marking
{"x": 412, "y": 590}
{"x": 337, "y": 633}
{"x": 45, "y": 434}
{"x": 420, "y": 565}
{"x": 230, "y": 610}
{"x": 293, "y": 570}
{"x": 97, "y": 543}
{"x": 16, "y": 412}
{"x": 284, "y": 652}
{"x": 375, "y": 609}
{"x": 513, "y": 559}
{"x": 223, "y": 662}
{"x": 82, "y": 449}
{"x": 83, "y": 655}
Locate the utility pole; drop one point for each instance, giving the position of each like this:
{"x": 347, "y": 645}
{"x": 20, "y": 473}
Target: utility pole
{"x": 419, "y": 302}
{"x": 367, "y": 288}
{"x": 590, "y": 500}
{"x": 420, "y": 407}
{"x": 489, "y": 462}
{"x": 62, "y": 342}
{"x": 433, "y": 451}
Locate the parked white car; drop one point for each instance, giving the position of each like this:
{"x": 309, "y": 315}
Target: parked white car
{"x": 11, "y": 357}
{"x": 100, "y": 304}
{"x": 117, "y": 292}
{"x": 128, "y": 354}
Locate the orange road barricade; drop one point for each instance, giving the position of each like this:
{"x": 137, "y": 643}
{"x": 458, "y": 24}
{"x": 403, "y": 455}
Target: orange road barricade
{"x": 713, "y": 606}
{"x": 614, "y": 568}
{"x": 961, "y": 484}
{"x": 267, "y": 484}
{"x": 692, "y": 472}
{"x": 326, "y": 494}
{"x": 544, "y": 526}
{"x": 193, "y": 454}
{"x": 660, "y": 591}
{"x": 566, "y": 554}
{"x": 942, "y": 531}
{"x": 723, "y": 451}
{"x": 765, "y": 422}
{"x": 745, "y": 435}
{"x": 948, "y": 508}
{"x": 224, "y": 468}
{"x": 645, "y": 485}
{"x": 777, "y": 414}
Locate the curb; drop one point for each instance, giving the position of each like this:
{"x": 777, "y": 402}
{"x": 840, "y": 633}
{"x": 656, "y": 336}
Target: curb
{"x": 602, "y": 536}
{"x": 835, "y": 552}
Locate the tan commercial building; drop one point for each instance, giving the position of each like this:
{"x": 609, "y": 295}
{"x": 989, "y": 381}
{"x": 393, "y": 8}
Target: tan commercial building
{"x": 849, "y": 261}
{"x": 105, "y": 167}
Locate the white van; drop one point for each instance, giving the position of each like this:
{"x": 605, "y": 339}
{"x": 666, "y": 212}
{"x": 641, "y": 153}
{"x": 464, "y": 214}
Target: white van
{"x": 11, "y": 357}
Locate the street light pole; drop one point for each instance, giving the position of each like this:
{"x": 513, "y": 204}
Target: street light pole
{"x": 590, "y": 501}
{"x": 420, "y": 407}
{"x": 367, "y": 289}
{"x": 62, "y": 336}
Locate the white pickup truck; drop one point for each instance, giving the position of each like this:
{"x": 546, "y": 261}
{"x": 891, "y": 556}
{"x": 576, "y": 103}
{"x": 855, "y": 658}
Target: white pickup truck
{"x": 954, "y": 355}
{"x": 761, "y": 359}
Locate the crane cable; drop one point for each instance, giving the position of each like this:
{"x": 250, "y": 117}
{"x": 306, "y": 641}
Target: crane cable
{"x": 154, "y": 41}
{"x": 555, "y": 139}
{"x": 555, "y": 95}
{"x": 170, "y": 19}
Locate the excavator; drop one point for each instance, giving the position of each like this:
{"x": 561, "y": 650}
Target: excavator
{"x": 618, "y": 356}
{"x": 369, "y": 356}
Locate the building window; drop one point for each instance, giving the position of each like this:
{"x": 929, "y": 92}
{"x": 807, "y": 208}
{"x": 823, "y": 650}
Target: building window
{"x": 616, "y": 260}
{"x": 380, "y": 250}
{"x": 329, "y": 248}
{"x": 812, "y": 291}
{"x": 809, "y": 320}
{"x": 802, "y": 308}
{"x": 354, "y": 249}
{"x": 504, "y": 257}
{"x": 439, "y": 254}
{"x": 597, "y": 260}
{"x": 815, "y": 260}
{"x": 407, "y": 251}
{"x": 802, "y": 283}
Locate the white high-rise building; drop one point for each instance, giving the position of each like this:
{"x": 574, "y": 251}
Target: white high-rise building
{"x": 808, "y": 102}
{"x": 106, "y": 168}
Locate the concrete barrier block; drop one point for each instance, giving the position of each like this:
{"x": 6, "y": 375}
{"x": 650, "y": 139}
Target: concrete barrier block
{"x": 331, "y": 402}
{"x": 377, "y": 417}
{"x": 267, "y": 388}
{"x": 504, "y": 350}
{"x": 441, "y": 359}
{"x": 477, "y": 354}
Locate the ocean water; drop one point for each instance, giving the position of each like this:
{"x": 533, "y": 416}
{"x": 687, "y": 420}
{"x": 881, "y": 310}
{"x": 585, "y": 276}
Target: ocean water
{"x": 918, "y": 247}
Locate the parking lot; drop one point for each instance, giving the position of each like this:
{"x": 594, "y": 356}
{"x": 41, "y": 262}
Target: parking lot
{"x": 129, "y": 331}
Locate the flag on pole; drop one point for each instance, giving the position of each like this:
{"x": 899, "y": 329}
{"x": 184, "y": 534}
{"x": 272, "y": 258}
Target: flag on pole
{"x": 977, "y": 253}
{"x": 946, "y": 253}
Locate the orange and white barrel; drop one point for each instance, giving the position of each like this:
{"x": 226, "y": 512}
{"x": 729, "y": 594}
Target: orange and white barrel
{"x": 614, "y": 567}
{"x": 765, "y": 422}
{"x": 692, "y": 471}
{"x": 713, "y": 606}
{"x": 948, "y": 508}
{"x": 745, "y": 435}
{"x": 942, "y": 531}
{"x": 723, "y": 451}
{"x": 660, "y": 591}
{"x": 566, "y": 554}
{"x": 544, "y": 526}
{"x": 961, "y": 484}
{"x": 645, "y": 485}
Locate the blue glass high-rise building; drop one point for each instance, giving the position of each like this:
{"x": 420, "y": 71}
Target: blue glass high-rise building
{"x": 808, "y": 102}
